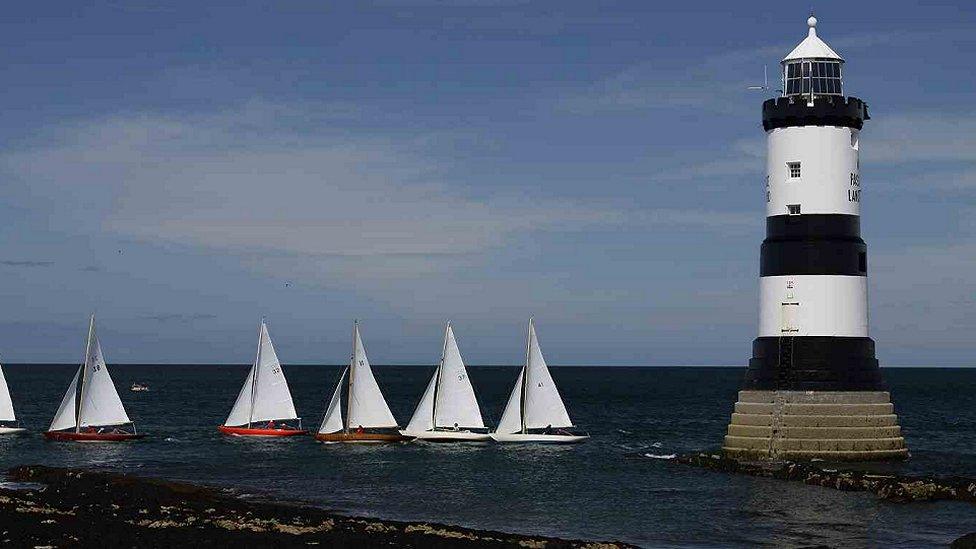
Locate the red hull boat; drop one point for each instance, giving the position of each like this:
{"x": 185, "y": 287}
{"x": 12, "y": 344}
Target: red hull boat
{"x": 91, "y": 437}
{"x": 256, "y": 432}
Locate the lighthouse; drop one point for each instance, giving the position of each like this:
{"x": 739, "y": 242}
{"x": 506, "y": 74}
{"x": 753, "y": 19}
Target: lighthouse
{"x": 813, "y": 387}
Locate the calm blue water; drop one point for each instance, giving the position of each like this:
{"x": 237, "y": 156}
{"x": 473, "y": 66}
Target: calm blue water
{"x": 606, "y": 488}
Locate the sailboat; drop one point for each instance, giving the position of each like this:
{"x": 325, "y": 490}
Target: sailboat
{"x": 264, "y": 407}
{"x": 448, "y": 411}
{"x": 535, "y": 412}
{"x": 368, "y": 418}
{"x": 7, "y": 415}
{"x": 91, "y": 410}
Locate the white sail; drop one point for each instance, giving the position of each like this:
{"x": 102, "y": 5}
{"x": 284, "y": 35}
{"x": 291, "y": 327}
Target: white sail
{"x": 511, "y": 421}
{"x": 543, "y": 405}
{"x": 6, "y": 405}
{"x": 332, "y": 422}
{"x": 241, "y": 412}
{"x": 423, "y": 416}
{"x": 455, "y": 401}
{"x": 65, "y": 417}
{"x": 100, "y": 402}
{"x": 272, "y": 399}
{"x": 367, "y": 407}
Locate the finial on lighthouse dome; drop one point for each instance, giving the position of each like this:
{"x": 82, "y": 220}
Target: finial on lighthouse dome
{"x": 812, "y": 21}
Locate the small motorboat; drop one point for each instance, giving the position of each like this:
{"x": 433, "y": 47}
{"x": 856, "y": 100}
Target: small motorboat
{"x": 91, "y": 410}
{"x": 264, "y": 407}
{"x": 448, "y": 411}
{"x": 535, "y": 411}
{"x": 8, "y": 420}
{"x": 368, "y": 417}
{"x": 139, "y": 388}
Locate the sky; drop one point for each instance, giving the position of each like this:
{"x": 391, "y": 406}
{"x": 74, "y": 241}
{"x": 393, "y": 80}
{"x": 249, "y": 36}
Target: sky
{"x": 183, "y": 171}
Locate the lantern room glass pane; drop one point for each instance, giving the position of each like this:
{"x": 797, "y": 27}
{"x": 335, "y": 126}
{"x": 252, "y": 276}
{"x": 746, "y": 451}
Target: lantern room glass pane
{"x": 812, "y": 76}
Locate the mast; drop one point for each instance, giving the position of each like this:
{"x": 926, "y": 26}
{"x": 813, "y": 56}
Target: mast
{"x": 440, "y": 368}
{"x": 254, "y": 375}
{"x": 352, "y": 365}
{"x": 84, "y": 373}
{"x": 525, "y": 374}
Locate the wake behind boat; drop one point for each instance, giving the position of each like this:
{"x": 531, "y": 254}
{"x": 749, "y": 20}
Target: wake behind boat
{"x": 264, "y": 407}
{"x": 368, "y": 417}
{"x": 8, "y": 420}
{"x": 91, "y": 410}
{"x": 535, "y": 411}
{"x": 448, "y": 411}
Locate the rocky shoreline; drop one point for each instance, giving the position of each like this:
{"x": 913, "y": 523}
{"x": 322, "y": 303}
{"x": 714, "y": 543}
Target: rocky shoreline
{"x": 58, "y": 507}
{"x": 895, "y": 488}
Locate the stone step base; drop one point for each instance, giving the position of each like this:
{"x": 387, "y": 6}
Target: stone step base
{"x": 886, "y": 420}
{"x": 873, "y": 409}
{"x": 815, "y": 433}
{"x": 868, "y": 455}
{"x": 856, "y": 425}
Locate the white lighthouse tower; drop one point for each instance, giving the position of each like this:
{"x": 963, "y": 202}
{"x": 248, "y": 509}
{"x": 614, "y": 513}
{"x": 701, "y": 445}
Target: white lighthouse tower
{"x": 813, "y": 388}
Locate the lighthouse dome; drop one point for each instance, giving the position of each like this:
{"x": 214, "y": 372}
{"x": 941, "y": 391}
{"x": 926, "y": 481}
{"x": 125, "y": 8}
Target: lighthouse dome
{"x": 812, "y": 47}
{"x": 812, "y": 68}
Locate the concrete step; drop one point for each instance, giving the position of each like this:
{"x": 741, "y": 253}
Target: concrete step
{"x": 822, "y": 445}
{"x": 882, "y": 420}
{"x": 818, "y": 397}
{"x": 861, "y": 455}
{"x": 817, "y": 409}
{"x": 816, "y": 433}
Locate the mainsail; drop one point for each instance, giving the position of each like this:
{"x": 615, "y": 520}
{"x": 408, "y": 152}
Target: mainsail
{"x": 367, "y": 407}
{"x": 455, "y": 403}
{"x": 543, "y": 407}
{"x": 534, "y": 402}
{"x": 449, "y": 399}
{"x": 265, "y": 395}
{"x": 99, "y": 404}
{"x": 6, "y": 405}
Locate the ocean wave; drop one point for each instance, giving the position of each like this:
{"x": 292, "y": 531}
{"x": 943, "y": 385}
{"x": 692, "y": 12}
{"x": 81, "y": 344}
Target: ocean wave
{"x": 661, "y": 456}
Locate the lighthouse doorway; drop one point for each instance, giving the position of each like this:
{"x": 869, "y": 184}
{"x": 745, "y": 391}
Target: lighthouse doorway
{"x": 790, "y": 315}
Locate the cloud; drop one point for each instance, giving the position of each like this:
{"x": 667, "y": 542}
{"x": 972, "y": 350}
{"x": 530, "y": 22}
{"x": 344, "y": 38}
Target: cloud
{"x": 713, "y": 84}
{"x": 908, "y": 137}
{"x": 238, "y": 181}
{"x": 28, "y": 264}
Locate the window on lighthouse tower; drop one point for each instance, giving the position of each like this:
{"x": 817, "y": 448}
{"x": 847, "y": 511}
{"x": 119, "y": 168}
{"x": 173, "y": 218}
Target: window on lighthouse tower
{"x": 794, "y": 168}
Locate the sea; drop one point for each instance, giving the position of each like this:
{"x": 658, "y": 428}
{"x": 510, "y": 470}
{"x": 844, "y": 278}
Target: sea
{"x": 620, "y": 485}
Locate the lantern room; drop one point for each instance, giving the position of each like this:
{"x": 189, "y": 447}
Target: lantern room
{"x": 812, "y": 68}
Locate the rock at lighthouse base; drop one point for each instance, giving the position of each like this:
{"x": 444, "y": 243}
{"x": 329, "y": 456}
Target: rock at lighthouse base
{"x": 828, "y": 425}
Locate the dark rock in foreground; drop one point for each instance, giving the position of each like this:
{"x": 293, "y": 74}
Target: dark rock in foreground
{"x": 897, "y": 488}
{"x": 99, "y": 509}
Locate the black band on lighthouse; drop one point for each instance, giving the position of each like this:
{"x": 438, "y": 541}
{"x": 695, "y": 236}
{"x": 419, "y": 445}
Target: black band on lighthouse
{"x": 813, "y": 245}
{"x": 813, "y": 225}
{"x": 813, "y": 363}
{"x": 827, "y": 110}
{"x": 813, "y": 257}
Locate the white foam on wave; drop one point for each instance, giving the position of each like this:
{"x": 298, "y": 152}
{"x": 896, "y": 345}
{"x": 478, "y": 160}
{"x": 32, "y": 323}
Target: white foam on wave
{"x": 661, "y": 456}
